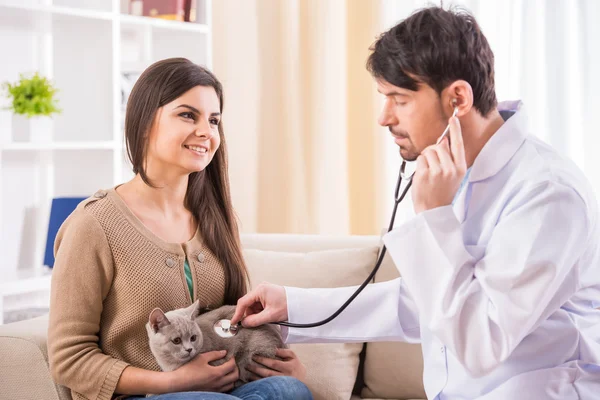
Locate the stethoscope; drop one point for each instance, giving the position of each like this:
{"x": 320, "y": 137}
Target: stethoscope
{"x": 224, "y": 328}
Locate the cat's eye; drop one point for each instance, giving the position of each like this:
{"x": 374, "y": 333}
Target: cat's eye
{"x": 176, "y": 340}
{"x": 193, "y": 338}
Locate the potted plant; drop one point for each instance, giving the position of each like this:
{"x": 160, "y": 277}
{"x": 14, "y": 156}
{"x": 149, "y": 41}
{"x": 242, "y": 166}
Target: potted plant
{"x": 33, "y": 102}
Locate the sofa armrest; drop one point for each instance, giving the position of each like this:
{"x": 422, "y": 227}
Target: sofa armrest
{"x": 24, "y": 371}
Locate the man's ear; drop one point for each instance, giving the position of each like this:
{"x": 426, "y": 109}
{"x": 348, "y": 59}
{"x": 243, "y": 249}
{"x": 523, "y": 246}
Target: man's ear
{"x": 158, "y": 320}
{"x": 459, "y": 93}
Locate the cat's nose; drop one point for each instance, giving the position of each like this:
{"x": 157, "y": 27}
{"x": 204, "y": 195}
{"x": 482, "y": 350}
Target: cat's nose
{"x": 188, "y": 350}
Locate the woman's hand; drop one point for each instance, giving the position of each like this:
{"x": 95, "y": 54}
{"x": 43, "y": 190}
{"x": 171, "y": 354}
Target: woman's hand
{"x": 290, "y": 365}
{"x": 199, "y": 375}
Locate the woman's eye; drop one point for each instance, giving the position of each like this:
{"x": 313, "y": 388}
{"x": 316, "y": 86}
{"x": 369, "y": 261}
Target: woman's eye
{"x": 193, "y": 338}
{"x": 188, "y": 115}
{"x": 177, "y": 340}
{"x": 214, "y": 122}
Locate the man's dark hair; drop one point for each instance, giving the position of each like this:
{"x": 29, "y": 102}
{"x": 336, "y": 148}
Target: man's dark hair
{"x": 437, "y": 47}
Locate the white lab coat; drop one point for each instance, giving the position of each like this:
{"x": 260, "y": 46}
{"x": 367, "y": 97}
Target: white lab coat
{"x": 500, "y": 289}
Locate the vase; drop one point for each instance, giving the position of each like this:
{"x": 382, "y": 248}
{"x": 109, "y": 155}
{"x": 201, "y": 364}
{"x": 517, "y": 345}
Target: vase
{"x": 36, "y": 129}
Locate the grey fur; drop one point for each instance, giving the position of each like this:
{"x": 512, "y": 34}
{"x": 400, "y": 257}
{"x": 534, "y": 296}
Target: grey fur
{"x": 186, "y": 322}
{"x": 163, "y": 329}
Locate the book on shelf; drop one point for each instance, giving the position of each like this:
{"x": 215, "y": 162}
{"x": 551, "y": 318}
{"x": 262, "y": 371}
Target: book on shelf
{"x": 176, "y": 10}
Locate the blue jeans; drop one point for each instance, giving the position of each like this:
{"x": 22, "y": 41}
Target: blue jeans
{"x": 272, "y": 388}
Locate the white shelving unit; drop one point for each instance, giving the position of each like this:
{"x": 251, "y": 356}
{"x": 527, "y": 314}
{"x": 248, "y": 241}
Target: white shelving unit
{"x": 91, "y": 50}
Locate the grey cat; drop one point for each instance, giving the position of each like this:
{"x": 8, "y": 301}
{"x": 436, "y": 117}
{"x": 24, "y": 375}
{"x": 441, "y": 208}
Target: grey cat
{"x": 179, "y": 335}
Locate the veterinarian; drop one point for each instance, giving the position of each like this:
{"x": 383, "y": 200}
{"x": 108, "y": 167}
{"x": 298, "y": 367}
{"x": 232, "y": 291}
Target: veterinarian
{"x": 500, "y": 268}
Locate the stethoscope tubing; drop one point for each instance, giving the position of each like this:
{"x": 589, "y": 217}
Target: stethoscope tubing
{"x": 398, "y": 197}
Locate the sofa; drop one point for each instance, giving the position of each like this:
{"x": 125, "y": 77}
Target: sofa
{"x": 335, "y": 371}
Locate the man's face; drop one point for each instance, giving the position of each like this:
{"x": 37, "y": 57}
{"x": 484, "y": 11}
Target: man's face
{"x": 415, "y": 119}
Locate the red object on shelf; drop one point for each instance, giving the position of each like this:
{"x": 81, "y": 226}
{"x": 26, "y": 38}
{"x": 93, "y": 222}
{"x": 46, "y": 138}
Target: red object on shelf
{"x": 187, "y": 8}
{"x": 165, "y": 9}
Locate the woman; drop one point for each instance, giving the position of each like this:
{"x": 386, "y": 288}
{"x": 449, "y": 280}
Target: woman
{"x": 164, "y": 239}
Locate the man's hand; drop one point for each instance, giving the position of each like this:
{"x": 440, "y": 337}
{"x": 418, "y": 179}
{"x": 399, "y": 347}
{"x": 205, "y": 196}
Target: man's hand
{"x": 267, "y": 303}
{"x": 440, "y": 170}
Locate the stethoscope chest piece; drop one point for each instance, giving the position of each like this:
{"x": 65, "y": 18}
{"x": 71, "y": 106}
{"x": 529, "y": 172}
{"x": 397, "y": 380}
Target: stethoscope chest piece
{"x": 224, "y": 329}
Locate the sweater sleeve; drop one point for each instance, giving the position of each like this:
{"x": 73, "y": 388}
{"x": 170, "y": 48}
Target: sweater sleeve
{"x": 81, "y": 279}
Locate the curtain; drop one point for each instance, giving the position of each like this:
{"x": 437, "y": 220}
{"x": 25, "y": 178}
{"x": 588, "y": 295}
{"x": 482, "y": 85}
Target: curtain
{"x": 300, "y": 113}
{"x": 306, "y": 153}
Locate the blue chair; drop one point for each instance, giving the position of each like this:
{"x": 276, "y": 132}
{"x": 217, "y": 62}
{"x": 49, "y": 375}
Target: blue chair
{"x": 61, "y": 208}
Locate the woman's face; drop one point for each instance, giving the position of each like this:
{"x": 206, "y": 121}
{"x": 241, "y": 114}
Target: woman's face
{"x": 185, "y": 136}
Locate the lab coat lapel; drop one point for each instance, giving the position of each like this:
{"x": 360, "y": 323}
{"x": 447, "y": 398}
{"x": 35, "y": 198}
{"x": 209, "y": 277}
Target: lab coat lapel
{"x": 502, "y": 145}
{"x": 495, "y": 154}
{"x": 460, "y": 206}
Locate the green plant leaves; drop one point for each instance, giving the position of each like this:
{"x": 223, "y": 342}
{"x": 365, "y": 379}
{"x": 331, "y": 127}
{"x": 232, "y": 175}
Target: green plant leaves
{"x": 32, "y": 96}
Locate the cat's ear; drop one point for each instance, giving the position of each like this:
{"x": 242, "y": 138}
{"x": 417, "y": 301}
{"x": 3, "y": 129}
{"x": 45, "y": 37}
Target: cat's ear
{"x": 158, "y": 320}
{"x": 194, "y": 310}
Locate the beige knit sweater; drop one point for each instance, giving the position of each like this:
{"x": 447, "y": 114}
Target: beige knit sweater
{"x": 110, "y": 272}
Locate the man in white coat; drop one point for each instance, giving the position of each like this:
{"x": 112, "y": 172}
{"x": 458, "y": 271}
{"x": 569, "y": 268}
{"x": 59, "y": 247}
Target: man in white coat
{"x": 500, "y": 267}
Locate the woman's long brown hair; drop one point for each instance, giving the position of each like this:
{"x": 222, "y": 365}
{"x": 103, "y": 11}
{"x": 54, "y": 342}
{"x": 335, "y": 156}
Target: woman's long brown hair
{"x": 208, "y": 196}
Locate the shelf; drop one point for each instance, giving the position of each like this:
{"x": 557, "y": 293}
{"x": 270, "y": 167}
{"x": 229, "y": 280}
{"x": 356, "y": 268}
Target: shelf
{"x": 92, "y": 50}
{"x": 60, "y": 10}
{"x": 13, "y": 9}
{"x": 25, "y": 280}
{"x": 58, "y": 146}
{"x": 163, "y": 23}
{"x": 107, "y": 16}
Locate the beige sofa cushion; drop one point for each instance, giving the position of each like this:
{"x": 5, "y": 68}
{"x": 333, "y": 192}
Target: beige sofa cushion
{"x": 24, "y": 370}
{"x": 331, "y": 368}
{"x": 392, "y": 370}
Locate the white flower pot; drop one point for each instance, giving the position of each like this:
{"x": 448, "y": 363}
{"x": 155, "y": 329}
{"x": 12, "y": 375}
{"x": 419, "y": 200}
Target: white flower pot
{"x": 34, "y": 129}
